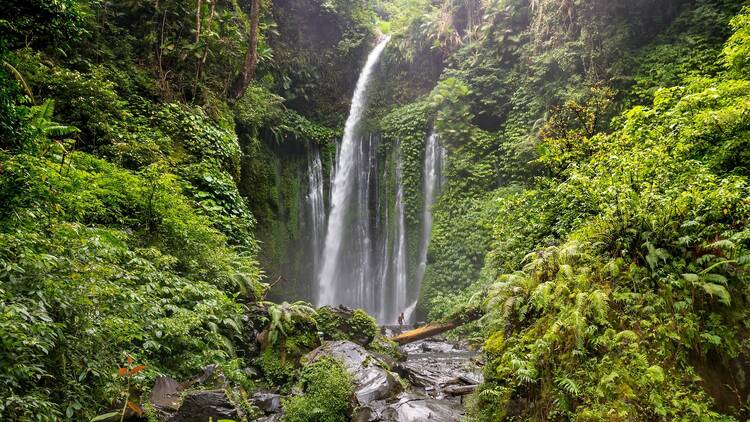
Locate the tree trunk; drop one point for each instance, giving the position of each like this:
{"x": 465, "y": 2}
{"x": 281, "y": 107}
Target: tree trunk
{"x": 242, "y": 81}
{"x": 202, "y": 62}
{"x": 198, "y": 5}
{"x": 435, "y": 328}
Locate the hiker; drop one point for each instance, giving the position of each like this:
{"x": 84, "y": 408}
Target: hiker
{"x": 401, "y": 319}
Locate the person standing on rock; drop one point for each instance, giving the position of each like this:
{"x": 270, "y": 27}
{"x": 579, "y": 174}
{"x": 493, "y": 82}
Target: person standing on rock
{"x": 401, "y": 320}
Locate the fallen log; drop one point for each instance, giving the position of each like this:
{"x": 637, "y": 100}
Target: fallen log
{"x": 427, "y": 331}
{"x": 468, "y": 380}
{"x": 435, "y": 328}
{"x": 460, "y": 390}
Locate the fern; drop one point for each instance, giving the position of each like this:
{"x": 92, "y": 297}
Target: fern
{"x": 569, "y": 386}
{"x": 41, "y": 120}
{"x": 18, "y": 77}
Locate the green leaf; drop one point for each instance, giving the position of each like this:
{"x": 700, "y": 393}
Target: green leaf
{"x": 105, "y": 416}
{"x": 693, "y": 278}
{"x": 718, "y": 291}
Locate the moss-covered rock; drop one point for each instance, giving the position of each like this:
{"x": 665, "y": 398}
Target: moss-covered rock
{"x": 343, "y": 323}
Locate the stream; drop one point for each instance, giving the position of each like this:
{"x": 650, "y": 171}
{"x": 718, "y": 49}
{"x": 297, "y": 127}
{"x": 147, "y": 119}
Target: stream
{"x": 430, "y": 382}
{"x": 440, "y": 373}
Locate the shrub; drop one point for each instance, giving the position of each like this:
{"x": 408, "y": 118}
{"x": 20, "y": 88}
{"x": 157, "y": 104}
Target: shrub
{"x": 327, "y": 392}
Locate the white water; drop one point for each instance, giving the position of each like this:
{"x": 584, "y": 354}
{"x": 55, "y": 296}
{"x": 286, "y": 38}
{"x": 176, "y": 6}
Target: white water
{"x": 434, "y": 158}
{"x": 409, "y": 312}
{"x": 399, "y": 293}
{"x": 384, "y": 221}
{"x": 433, "y": 162}
{"x": 331, "y": 286}
{"x": 316, "y": 205}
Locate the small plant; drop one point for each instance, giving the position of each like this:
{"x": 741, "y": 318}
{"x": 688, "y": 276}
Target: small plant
{"x": 284, "y": 316}
{"x": 126, "y": 374}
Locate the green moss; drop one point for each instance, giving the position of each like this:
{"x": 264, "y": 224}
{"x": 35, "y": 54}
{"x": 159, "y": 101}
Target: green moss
{"x": 329, "y": 324}
{"x": 363, "y": 323}
{"x": 277, "y": 370}
{"x": 327, "y": 390}
{"x": 337, "y": 325}
{"x": 384, "y": 346}
{"x": 301, "y": 341}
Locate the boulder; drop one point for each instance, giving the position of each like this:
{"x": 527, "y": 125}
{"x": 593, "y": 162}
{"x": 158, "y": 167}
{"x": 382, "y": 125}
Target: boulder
{"x": 267, "y": 402}
{"x": 413, "y": 408}
{"x": 343, "y": 323}
{"x": 371, "y": 378}
{"x": 202, "y": 405}
{"x": 165, "y": 395}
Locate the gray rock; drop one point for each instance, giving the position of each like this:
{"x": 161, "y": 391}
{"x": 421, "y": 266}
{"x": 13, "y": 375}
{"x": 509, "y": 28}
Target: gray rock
{"x": 202, "y": 405}
{"x": 372, "y": 380}
{"x": 364, "y": 414}
{"x": 413, "y": 408}
{"x": 166, "y": 394}
{"x": 267, "y": 402}
{"x": 435, "y": 365}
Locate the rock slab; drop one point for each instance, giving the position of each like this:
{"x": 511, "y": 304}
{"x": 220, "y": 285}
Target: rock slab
{"x": 202, "y": 405}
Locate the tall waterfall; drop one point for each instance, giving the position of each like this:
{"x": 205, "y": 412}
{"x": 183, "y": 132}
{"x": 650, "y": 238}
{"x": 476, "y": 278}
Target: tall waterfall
{"x": 434, "y": 159}
{"x": 399, "y": 298}
{"x": 337, "y": 283}
{"x": 316, "y": 206}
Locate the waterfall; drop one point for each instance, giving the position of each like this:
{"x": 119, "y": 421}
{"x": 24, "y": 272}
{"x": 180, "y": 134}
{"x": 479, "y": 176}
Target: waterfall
{"x": 383, "y": 223}
{"x": 334, "y": 285}
{"x": 316, "y": 206}
{"x": 434, "y": 158}
{"x": 400, "y": 290}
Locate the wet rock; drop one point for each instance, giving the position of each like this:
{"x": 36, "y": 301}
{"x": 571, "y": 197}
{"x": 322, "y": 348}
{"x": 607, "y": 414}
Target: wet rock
{"x": 267, "y": 402}
{"x": 414, "y": 408}
{"x": 436, "y": 347}
{"x": 460, "y": 390}
{"x": 202, "y": 405}
{"x": 364, "y": 414}
{"x": 166, "y": 394}
{"x": 211, "y": 376}
{"x": 434, "y": 365}
{"x": 276, "y": 417}
{"x": 470, "y": 379}
{"x": 372, "y": 380}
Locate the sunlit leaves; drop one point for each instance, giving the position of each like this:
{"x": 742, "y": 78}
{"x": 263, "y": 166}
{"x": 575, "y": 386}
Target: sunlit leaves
{"x": 737, "y": 49}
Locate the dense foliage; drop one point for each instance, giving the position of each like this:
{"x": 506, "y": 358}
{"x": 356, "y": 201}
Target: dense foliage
{"x": 596, "y": 205}
{"x": 124, "y": 235}
{"x": 609, "y": 255}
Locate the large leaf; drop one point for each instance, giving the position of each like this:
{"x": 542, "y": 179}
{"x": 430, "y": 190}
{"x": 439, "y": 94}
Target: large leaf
{"x": 718, "y": 291}
{"x": 105, "y": 416}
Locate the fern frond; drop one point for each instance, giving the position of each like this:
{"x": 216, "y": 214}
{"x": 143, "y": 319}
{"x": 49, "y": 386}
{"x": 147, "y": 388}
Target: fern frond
{"x": 18, "y": 77}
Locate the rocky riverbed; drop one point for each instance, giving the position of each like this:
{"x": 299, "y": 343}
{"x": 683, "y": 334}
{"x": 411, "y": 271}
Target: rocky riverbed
{"x": 440, "y": 374}
{"x": 429, "y": 383}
